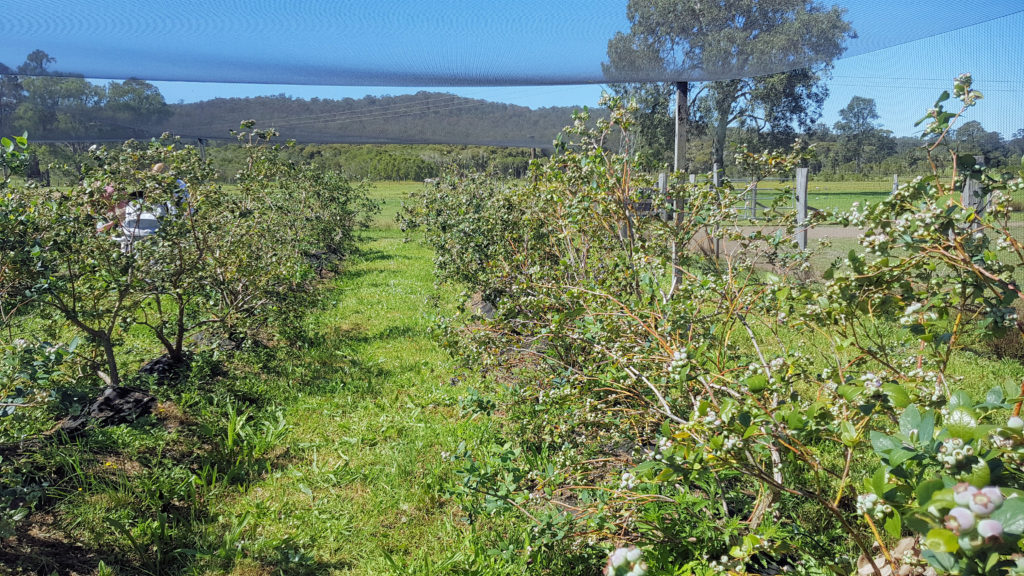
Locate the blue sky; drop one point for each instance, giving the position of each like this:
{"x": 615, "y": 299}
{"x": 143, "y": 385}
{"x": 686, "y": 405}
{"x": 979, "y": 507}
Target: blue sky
{"x": 903, "y": 80}
{"x": 906, "y": 53}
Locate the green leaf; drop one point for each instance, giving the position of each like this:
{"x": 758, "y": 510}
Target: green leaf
{"x": 942, "y": 97}
{"x": 910, "y": 421}
{"x": 961, "y": 423}
{"x": 883, "y": 443}
{"x": 848, "y": 433}
{"x": 993, "y": 559}
{"x": 878, "y": 482}
{"x": 757, "y": 383}
{"x": 925, "y": 490}
{"x": 894, "y": 525}
{"x": 849, "y": 393}
{"x": 995, "y": 395}
{"x": 1011, "y": 515}
{"x": 960, "y": 399}
{"x": 897, "y": 395}
{"x": 897, "y": 457}
{"x": 926, "y": 430}
{"x": 941, "y": 540}
{"x": 940, "y": 560}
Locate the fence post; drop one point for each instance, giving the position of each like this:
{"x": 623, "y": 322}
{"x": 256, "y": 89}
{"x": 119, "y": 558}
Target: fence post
{"x": 801, "y": 208}
{"x": 753, "y": 197}
{"x": 895, "y": 183}
{"x": 973, "y": 197}
{"x": 663, "y": 188}
{"x": 718, "y": 239}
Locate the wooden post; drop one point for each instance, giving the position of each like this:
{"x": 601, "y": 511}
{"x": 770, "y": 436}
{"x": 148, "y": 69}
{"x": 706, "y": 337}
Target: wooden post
{"x": 801, "y": 208}
{"x": 718, "y": 239}
{"x": 973, "y": 197}
{"x": 666, "y": 214}
{"x": 682, "y": 121}
{"x": 895, "y": 183}
{"x": 753, "y": 197}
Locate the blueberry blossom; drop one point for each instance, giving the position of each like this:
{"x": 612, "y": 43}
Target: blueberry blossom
{"x": 625, "y": 562}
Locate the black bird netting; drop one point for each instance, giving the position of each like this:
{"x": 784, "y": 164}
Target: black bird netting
{"x": 91, "y": 64}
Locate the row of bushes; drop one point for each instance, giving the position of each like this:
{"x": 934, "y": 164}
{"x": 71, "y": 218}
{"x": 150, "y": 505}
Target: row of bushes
{"x": 220, "y": 260}
{"x": 720, "y": 417}
{"x": 147, "y": 255}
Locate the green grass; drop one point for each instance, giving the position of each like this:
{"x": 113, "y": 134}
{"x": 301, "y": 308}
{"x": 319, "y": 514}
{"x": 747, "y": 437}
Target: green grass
{"x": 365, "y": 477}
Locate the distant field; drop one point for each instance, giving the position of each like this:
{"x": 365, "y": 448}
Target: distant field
{"x": 828, "y": 195}
{"x": 391, "y": 194}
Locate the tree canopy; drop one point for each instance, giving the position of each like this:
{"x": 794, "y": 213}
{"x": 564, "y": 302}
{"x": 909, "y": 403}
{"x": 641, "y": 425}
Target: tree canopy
{"x": 729, "y": 43}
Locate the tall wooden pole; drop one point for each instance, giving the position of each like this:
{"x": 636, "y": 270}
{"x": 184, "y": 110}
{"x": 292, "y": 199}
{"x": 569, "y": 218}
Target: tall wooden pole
{"x": 801, "y": 208}
{"x": 682, "y": 121}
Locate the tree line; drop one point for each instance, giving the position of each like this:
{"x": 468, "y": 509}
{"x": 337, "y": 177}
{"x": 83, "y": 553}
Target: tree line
{"x": 59, "y": 106}
{"x": 759, "y": 112}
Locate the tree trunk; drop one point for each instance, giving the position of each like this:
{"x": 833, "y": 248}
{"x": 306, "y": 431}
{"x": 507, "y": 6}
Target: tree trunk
{"x": 114, "y": 378}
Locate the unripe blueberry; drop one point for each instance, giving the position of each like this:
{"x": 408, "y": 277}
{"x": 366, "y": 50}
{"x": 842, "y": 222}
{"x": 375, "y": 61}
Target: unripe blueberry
{"x": 994, "y": 495}
{"x": 959, "y": 520}
{"x": 990, "y": 529}
{"x": 1015, "y": 423}
{"x": 963, "y": 493}
{"x": 982, "y": 504}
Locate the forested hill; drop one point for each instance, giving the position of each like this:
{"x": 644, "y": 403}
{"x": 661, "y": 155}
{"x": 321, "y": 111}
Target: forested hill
{"x": 425, "y": 117}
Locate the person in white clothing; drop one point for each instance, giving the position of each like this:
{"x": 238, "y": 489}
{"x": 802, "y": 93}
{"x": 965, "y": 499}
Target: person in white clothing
{"x": 138, "y": 218}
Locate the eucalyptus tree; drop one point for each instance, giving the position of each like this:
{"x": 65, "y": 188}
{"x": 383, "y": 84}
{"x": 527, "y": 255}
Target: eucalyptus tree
{"x": 762, "y": 64}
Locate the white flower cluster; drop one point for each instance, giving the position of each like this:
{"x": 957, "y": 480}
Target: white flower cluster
{"x": 927, "y": 376}
{"x": 913, "y": 314}
{"x": 1008, "y": 439}
{"x": 953, "y": 451}
{"x": 662, "y": 451}
{"x": 919, "y": 223}
{"x": 872, "y": 381}
{"x": 856, "y": 216}
{"x": 873, "y": 243}
{"x": 628, "y": 481}
{"x": 871, "y": 505}
{"x": 679, "y": 361}
{"x": 625, "y": 562}
{"x": 553, "y": 394}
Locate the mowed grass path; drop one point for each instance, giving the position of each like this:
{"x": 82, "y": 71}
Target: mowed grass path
{"x": 364, "y": 473}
